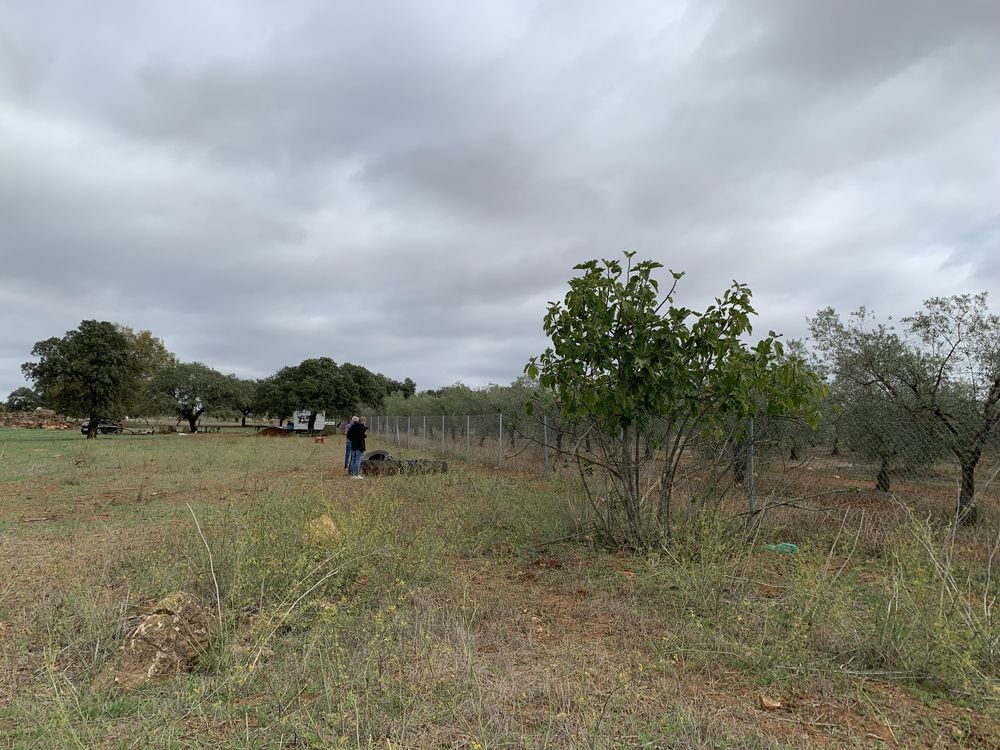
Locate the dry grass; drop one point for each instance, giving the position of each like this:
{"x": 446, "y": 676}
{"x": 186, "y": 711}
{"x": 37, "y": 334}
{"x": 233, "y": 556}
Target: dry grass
{"x": 465, "y": 611}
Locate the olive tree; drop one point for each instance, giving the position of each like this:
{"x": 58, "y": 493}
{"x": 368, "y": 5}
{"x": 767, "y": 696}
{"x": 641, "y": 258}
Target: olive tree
{"x": 642, "y": 377}
{"x": 942, "y": 371}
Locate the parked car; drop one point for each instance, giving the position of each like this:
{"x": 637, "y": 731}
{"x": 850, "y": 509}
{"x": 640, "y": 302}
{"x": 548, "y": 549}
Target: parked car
{"x": 103, "y": 428}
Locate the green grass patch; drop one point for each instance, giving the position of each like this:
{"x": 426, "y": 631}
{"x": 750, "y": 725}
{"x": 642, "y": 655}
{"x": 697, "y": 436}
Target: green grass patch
{"x": 470, "y": 609}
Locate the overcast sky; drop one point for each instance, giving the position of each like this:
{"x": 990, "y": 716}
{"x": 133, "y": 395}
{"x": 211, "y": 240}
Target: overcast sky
{"x": 405, "y": 185}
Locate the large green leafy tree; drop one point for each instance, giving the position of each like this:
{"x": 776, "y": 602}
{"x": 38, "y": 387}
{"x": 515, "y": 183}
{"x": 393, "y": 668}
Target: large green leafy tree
{"x": 942, "y": 371}
{"x": 313, "y": 385}
{"x": 244, "y": 396}
{"x": 372, "y": 387}
{"x": 190, "y": 389}
{"x": 641, "y": 377}
{"x": 409, "y": 388}
{"x": 88, "y": 372}
{"x": 23, "y": 399}
{"x": 151, "y": 357}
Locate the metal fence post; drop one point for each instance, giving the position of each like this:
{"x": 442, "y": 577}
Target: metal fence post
{"x": 500, "y": 460}
{"x": 751, "y": 501}
{"x": 545, "y": 441}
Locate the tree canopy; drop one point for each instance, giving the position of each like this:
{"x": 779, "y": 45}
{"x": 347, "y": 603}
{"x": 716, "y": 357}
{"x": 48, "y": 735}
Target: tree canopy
{"x": 89, "y": 372}
{"x": 151, "y": 356}
{"x": 243, "y": 395}
{"x": 189, "y": 389}
{"x": 940, "y": 373}
{"x": 314, "y": 385}
{"x": 23, "y": 399}
{"x": 641, "y": 375}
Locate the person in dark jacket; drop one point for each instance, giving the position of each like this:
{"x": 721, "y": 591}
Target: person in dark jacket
{"x": 356, "y": 436}
{"x": 347, "y": 447}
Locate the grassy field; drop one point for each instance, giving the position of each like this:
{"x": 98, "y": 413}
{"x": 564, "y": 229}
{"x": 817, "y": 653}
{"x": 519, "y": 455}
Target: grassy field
{"x": 468, "y": 610}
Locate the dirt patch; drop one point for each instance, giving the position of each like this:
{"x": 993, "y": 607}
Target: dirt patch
{"x": 273, "y": 432}
{"x": 539, "y": 608}
{"x": 541, "y": 615}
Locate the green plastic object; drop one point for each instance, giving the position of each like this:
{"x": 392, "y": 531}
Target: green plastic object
{"x": 786, "y": 548}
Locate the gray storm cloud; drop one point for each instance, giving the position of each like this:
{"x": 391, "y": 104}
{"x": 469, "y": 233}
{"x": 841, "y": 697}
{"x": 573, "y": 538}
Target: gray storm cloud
{"x": 406, "y": 185}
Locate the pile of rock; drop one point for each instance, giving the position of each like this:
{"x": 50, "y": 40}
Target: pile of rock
{"x": 168, "y": 641}
{"x": 39, "y": 419}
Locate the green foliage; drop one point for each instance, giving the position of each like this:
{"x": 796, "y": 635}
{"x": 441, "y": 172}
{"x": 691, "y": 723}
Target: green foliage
{"x": 923, "y": 619}
{"x": 189, "y": 389}
{"x": 624, "y": 356}
{"x": 89, "y": 372}
{"x": 373, "y": 387}
{"x": 460, "y": 399}
{"x": 314, "y": 385}
{"x": 23, "y": 399}
{"x": 243, "y": 395}
{"x": 320, "y": 385}
{"x": 936, "y": 384}
{"x": 151, "y": 356}
{"x": 641, "y": 374}
{"x": 409, "y": 388}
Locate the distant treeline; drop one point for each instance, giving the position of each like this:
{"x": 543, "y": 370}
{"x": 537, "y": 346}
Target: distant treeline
{"x": 102, "y": 370}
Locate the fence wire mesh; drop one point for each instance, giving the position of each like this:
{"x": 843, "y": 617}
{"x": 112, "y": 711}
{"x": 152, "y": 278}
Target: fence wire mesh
{"x": 757, "y": 464}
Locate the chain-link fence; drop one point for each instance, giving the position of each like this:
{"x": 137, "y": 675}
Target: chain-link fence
{"x": 491, "y": 439}
{"x": 757, "y": 464}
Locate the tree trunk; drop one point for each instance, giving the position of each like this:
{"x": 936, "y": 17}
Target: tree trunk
{"x": 192, "y": 419}
{"x": 835, "y": 450}
{"x": 739, "y": 461}
{"x": 244, "y": 422}
{"x": 968, "y": 512}
{"x": 92, "y": 427}
{"x": 666, "y": 495}
{"x": 631, "y": 496}
{"x": 793, "y": 454}
{"x": 312, "y": 422}
{"x": 882, "y": 478}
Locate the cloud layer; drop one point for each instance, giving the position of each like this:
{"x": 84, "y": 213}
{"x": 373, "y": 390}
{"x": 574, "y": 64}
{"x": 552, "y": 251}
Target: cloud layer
{"x": 405, "y": 185}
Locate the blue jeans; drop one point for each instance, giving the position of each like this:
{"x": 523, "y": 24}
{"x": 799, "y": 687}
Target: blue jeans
{"x": 347, "y": 456}
{"x": 356, "y": 462}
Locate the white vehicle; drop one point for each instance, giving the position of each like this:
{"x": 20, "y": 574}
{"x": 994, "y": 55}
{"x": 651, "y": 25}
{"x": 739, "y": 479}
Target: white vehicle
{"x": 300, "y": 421}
